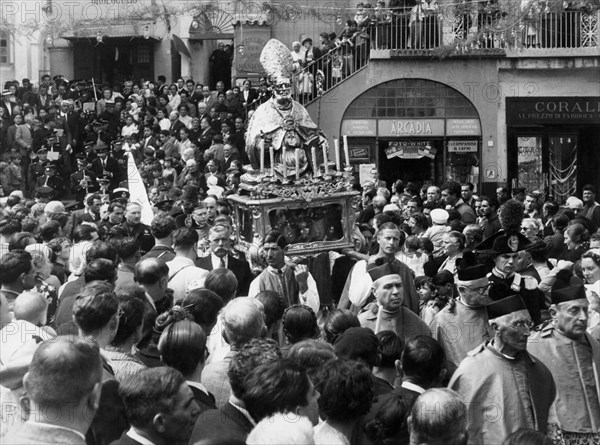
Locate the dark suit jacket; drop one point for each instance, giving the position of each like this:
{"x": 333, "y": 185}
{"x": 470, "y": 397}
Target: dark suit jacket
{"x": 241, "y": 270}
{"x": 555, "y": 244}
{"x": 239, "y": 139}
{"x": 252, "y": 96}
{"x": 227, "y": 162}
{"x": 204, "y": 401}
{"x": 227, "y": 423}
{"x": 112, "y": 166}
{"x": 205, "y": 139}
{"x": 175, "y": 127}
{"x": 125, "y": 440}
{"x": 77, "y": 190}
{"x": 152, "y": 142}
{"x": 163, "y": 252}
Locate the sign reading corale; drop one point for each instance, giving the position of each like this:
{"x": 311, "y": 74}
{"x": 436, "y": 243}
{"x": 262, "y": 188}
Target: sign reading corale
{"x": 549, "y": 110}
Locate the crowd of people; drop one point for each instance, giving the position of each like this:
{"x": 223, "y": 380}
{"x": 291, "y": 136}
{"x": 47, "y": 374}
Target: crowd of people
{"x": 455, "y": 318}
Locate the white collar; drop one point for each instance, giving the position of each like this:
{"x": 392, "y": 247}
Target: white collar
{"x": 276, "y": 271}
{"x": 235, "y": 403}
{"x": 59, "y": 427}
{"x": 150, "y": 300}
{"x": 501, "y": 274}
{"x": 412, "y": 387}
{"x": 197, "y": 385}
{"x": 138, "y": 437}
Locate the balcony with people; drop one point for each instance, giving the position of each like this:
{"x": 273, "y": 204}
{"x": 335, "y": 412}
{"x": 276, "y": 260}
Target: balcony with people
{"x": 465, "y": 30}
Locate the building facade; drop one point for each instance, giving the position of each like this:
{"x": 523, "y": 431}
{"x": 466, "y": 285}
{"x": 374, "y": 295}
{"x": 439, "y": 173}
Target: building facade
{"x": 506, "y": 94}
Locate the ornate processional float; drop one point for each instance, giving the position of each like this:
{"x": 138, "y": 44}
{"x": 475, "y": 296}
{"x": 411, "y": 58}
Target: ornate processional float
{"x": 290, "y": 184}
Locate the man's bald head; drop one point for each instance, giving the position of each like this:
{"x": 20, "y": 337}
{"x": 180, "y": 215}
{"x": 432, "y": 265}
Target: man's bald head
{"x": 31, "y": 306}
{"x": 150, "y": 271}
{"x": 379, "y": 202}
{"x": 439, "y": 416}
{"x": 62, "y": 373}
{"x": 243, "y": 319}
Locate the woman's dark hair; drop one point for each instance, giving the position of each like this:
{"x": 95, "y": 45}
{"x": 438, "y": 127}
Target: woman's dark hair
{"x": 389, "y": 421}
{"x": 337, "y": 321}
{"x": 311, "y": 355}
{"x": 420, "y": 220}
{"x": 182, "y": 345}
{"x": 279, "y": 386}
{"x": 578, "y": 233}
{"x": 204, "y": 305}
{"x": 426, "y": 245}
{"x": 131, "y": 302}
{"x": 539, "y": 252}
{"x": 173, "y": 315}
{"x": 346, "y": 388}
{"x": 273, "y": 306}
{"x": 423, "y": 280}
{"x": 442, "y": 278}
{"x": 300, "y": 323}
{"x": 83, "y": 232}
{"x": 560, "y": 221}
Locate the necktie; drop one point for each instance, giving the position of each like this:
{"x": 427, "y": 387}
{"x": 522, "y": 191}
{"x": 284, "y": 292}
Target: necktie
{"x": 223, "y": 263}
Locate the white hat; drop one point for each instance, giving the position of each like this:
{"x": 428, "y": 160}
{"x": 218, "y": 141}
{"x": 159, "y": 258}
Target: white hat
{"x": 391, "y": 208}
{"x": 18, "y": 193}
{"x": 439, "y": 216}
{"x": 54, "y": 207}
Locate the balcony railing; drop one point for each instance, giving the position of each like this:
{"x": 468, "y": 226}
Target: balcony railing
{"x": 459, "y": 32}
{"x": 430, "y": 31}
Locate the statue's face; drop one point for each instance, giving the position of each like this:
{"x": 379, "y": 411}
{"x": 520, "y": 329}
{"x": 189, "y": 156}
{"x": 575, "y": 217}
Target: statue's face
{"x": 292, "y": 139}
{"x": 283, "y": 90}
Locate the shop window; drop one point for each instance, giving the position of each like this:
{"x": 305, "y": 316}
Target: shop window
{"x": 529, "y": 152}
{"x": 4, "y": 48}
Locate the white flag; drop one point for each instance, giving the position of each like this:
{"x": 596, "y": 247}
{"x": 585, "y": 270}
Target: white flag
{"x": 137, "y": 190}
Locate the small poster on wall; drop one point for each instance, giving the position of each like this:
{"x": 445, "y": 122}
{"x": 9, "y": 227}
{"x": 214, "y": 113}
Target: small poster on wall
{"x": 364, "y": 174}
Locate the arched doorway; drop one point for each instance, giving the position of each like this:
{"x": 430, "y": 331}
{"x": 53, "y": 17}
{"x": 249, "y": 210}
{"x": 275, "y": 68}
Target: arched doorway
{"x": 415, "y": 130}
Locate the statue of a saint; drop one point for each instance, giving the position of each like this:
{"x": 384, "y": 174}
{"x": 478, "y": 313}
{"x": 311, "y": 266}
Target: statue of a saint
{"x": 282, "y": 122}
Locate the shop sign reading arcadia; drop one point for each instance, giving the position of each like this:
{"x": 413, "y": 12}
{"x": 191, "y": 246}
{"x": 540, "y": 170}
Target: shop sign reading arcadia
{"x": 552, "y": 110}
{"x": 411, "y": 127}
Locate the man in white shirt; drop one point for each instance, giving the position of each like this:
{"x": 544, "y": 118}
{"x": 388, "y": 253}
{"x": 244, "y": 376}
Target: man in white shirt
{"x": 182, "y": 270}
{"x": 293, "y": 282}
